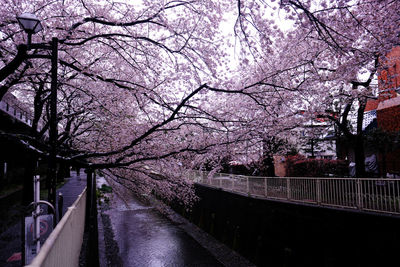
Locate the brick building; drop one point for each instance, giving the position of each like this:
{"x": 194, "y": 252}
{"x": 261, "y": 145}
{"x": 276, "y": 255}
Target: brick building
{"x": 384, "y": 112}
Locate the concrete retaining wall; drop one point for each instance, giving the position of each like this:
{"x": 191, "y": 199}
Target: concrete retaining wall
{"x": 271, "y": 233}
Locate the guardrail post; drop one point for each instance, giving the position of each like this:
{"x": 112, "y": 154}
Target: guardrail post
{"x": 88, "y": 199}
{"x": 288, "y": 188}
{"x": 36, "y": 213}
{"x": 60, "y": 205}
{"x": 358, "y": 194}
{"x": 318, "y": 189}
{"x": 247, "y": 185}
{"x": 92, "y": 252}
{"x": 266, "y": 187}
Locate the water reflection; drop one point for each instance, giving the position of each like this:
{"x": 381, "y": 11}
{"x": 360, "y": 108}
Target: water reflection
{"x": 146, "y": 238}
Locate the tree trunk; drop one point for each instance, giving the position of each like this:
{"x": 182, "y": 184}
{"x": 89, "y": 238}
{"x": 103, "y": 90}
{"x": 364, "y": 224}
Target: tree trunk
{"x": 359, "y": 156}
{"x": 269, "y": 165}
{"x": 62, "y": 172}
{"x": 29, "y": 172}
{"x": 359, "y": 140}
{"x": 2, "y": 174}
{"x": 12, "y": 66}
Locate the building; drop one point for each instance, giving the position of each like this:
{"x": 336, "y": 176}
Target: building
{"x": 318, "y": 139}
{"x": 384, "y": 113}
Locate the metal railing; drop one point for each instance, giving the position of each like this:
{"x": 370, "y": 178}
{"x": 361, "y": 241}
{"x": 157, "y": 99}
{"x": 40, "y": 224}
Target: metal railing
{"x": 63, "y": 246}
{"x": 19, "y": 113}
{"x": 16, "y": 112}
{"x": 366, "y": 194}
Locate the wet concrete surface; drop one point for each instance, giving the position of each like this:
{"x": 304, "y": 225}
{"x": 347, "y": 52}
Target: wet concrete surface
{"x": 144, "y": 237}
{"x": 72, "y": 189}
{"x": 10, "y": 243}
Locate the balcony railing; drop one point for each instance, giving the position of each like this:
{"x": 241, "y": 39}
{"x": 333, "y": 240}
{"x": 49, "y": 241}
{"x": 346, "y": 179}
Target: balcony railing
{"x": 364, "y": 194}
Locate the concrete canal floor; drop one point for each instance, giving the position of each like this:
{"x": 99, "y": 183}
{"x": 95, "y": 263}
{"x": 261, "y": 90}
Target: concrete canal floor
{"x": 135, "y": 234}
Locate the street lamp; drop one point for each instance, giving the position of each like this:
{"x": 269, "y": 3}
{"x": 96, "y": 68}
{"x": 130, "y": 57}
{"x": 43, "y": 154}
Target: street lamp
{"x": 31, "y": 25}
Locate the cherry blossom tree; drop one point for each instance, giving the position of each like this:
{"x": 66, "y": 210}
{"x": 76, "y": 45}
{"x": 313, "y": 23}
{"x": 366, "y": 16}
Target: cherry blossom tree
{"x": 144, "y": 90}
{"x": 334, "y": 49}
{"x": 128, "y": 75}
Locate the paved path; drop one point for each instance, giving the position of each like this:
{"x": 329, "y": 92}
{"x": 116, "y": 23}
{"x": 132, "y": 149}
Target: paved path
{"x": 135, "y": 234}
{"x": 72, "y": 189}
{"x": 10, "y": 239}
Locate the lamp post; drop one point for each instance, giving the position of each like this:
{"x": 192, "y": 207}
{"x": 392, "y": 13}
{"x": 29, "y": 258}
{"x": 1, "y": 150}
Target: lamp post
{"x": 31, "y": 25}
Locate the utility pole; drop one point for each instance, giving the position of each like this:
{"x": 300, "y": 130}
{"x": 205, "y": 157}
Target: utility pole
{"x": 53, "y": 132}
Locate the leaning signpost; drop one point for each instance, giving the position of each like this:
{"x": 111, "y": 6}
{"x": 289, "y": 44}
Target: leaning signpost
{"x": 38, "y": 226}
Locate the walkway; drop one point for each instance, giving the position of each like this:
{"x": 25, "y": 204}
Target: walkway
{"x": 10, "y": 240}
{"x": 135, "y": 234}
{"x": 72, "y": 189}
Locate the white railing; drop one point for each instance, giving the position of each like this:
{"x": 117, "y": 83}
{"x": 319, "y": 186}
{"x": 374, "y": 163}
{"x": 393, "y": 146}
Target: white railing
{"x": 19, "y": 113}
{"x": 16, "y": 112}
{"x": 63, "y": 246}
{"x": 367, "y": 194}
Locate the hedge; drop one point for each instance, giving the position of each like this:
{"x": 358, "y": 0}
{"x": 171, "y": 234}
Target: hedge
{"x": 300, "y": 166}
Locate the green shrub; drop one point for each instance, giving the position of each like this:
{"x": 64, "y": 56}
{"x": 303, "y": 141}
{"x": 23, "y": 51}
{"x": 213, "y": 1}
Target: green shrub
{"x": 105, "y": 188}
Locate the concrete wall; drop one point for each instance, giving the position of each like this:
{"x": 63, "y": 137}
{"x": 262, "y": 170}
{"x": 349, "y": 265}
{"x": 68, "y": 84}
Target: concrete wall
{"x": 271, "y": 233}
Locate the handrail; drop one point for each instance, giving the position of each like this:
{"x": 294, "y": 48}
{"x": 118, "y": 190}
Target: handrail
{"x": 63, "y": 246}
{"x": 380, "y": 195}
{"x": 18, "y": 113}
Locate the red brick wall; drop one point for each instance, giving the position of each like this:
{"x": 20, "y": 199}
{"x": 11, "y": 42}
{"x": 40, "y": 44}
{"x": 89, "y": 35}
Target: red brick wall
{"x": 393, "y": 162}
{"x": 389, "y": 118}
{"x": 390, "y": 75}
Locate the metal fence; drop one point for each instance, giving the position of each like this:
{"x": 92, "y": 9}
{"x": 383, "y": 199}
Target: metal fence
{"x": 367, "y": 194}
{"x": 20, "y": 114}
{"x": 16, "y": 112}
{"x": 63, "y": 246}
